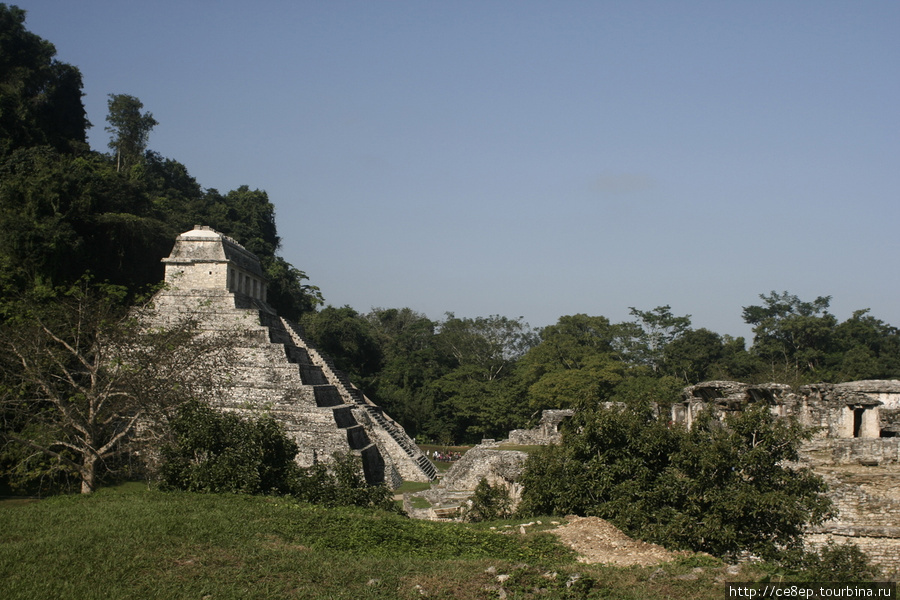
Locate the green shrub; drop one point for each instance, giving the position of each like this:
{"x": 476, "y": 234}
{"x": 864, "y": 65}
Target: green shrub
{"x": 720, "y": 488}
{"x": 489, "y": 503}
{"x": 341, "y": 483}
{"x": 213, "y": 452}
{"x": 838, "y": 563}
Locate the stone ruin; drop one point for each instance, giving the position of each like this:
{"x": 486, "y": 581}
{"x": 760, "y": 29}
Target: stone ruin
{"x": 546, "y": 432}
{"x": 855, "y": 410}
{"x": 212, "y": 278}
{"x": 501, "y": 463}
{"x": 856, "y": 450}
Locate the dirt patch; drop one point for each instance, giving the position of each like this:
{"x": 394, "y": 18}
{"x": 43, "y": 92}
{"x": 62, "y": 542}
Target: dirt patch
{"x": 598, "y": 541}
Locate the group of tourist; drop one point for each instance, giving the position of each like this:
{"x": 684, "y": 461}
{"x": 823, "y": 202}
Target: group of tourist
{"x": 445, "y": 456}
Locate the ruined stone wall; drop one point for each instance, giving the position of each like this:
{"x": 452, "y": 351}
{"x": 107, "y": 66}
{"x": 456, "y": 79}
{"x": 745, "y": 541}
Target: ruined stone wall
{"x": 858, "y": 409}
{"x": 868, "y": 503}
{"x": 547, "y": 431}
{"x": 497, "y": 466}
{"x": 867, "y": 452}
{"x": 863, "y": 477}
{"x": 486, "y": 461}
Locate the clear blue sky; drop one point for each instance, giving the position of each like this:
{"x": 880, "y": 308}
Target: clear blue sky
{"x": 531, "y": 158}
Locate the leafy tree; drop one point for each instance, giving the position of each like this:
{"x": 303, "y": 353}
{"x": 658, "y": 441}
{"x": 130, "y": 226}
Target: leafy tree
{"x": 80, "y": 375}
{"x": 286, "y": 291}
{"x": 40, "y": 97}
{"x": 348, "y": 339}
{"x": 792, "y": 336}
{"x": 63, "y": 215}
{"x": 176, "y": 198}
{"x": 402, "y": 331}
{"x": 695, "y": 356}
{"x": 733, "y": 491}
{"x": 638, "y": 389}
{"x": 574, "y": 362}
{"x": 411, "y": 363}
{"x": 702, "y": 355}
{"x": 246, "y": 215}
{"x": 130, "y": 129}
{"x": 593, "y": 381}
{"x": 472, "y": 399}
{"x": 489, "y": 345}
{"x": 568, "y": 343}
{"x": 737, "y": 362}
{"x": 718, "y": 489}
{"x": 468, "y": 407}
{"x": 865, "y": 348}
{"x": 653, "y": 331}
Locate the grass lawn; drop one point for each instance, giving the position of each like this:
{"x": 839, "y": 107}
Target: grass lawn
{"x": 409, "y": 487}
{"x": 129, "y": 542}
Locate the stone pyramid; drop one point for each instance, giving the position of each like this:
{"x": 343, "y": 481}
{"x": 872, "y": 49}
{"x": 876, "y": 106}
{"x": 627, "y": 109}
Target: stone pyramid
{"x": 277, "y": 371}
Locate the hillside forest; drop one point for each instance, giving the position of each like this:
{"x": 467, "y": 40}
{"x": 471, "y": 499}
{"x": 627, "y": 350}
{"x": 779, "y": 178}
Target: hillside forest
{"x": 70, "y": 214}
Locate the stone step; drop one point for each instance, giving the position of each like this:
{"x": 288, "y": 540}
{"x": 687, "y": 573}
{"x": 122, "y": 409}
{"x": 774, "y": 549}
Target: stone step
{"x": 342, "y": 385}
{"x": 327, "y": 395}
{"x": 357, "y": 438}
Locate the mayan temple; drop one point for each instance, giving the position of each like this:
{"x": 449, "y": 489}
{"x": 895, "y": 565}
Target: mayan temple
{"x": 217, "y": 281}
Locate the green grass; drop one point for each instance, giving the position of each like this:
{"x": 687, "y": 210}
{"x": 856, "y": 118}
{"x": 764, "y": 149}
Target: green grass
{"x": 130, "y": 542}
{"x": 408, "y": 487}
{"x": 419, "y": 502}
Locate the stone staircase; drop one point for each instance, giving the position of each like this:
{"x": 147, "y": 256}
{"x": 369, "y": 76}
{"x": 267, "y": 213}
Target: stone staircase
{"x": 351, "y": 395}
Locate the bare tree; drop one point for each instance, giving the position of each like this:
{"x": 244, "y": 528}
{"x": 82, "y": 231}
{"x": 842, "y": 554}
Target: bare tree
{"x": 89, "y": 377}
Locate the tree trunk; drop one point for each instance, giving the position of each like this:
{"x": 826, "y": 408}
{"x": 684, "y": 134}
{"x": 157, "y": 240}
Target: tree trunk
{"x": 89, "y": 475}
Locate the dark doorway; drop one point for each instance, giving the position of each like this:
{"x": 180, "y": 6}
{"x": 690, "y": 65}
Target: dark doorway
{"x": 857, "y": 421}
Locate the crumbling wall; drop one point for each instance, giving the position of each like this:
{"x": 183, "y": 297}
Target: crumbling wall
{"x": 859, "y": 409}
{"x": 490, "y": 461}
{"x": 486, "y": 461}
{"x": 546, "y": 432}
{"x": 867, "y": 500}
{"x": 498, "y": 466}
{"x": 866, "y": 452}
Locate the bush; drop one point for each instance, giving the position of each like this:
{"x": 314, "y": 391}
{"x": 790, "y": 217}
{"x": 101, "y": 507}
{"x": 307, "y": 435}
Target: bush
{"x": 720, "y": 488}
{"x": 838, "y": 563}
{"x": 341, "y": 483}
{"x": 215, "y": 452}
{"x": 489, "y": 503}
